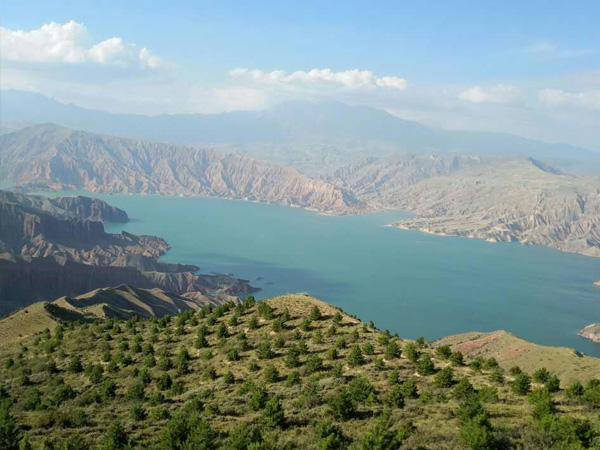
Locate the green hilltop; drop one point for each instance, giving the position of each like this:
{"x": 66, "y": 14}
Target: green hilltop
{"x": 290, "y": 372}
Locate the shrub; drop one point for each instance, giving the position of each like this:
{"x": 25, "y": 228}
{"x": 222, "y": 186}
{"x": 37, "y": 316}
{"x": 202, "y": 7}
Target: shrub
{"x": 355, "y": 357}
{"x": 135, "y": 392}
{"x": 392, "y": 350}
{"x": 463, "y": 389}
{"x": 32, "y": 400}
{"x": 75, "y": 365}
{"x": 273, "y": 413}
{"x": 265, "y": 311}
{"x": 144, "y": 376}
{"x": 591, "y": 394}
{"x": 342, "y": 406}
{"x": 314, "y": 364}
{"x": 542, "y": 402}
{"x": 293, "y": 378}
{"x": 188, "y": 431}
{"x": 332, "y": 354}
{"x": 209, "y": 373}
{"x": 497, "y": 376}
{"x": 165, "y": 363}
{"x": 305, "y": 325}
{"x": 395, "y": 397}
{"x": 457, "y": 358}
{"x": 292, "y": 358}
{"x": 263, "y": 350}
{"x": 253, "y": 323}
{"x": 541, "y": 375}
{"x": 116, "y": 438}
{"x": 521, "y": 385}
{"x": 381, "y": 436}
{"x": 108, "y": 389}
{"x": 315, "y": 313}
{"x": 258, "y": 399}
{"x": 368, "y": 348}
{"x": 411, "y": 352}
{"x": 488, "y": 394}
{"x": 222, "y": 331}
{"x": 477, "y": 364}
{"x": 443, "y": 351}
{"x": 318, "y": 337}
{"x": 360, "y": 389}
{"x": 233, "y": 355}
{"x": 477, "y": 434}
{"x": 575, "y": 391}
{"x": 490, "y": 364}
{"x": 243, "y": 437}
{"x": 271, "y": 374}
{"x": 229, "y": 378}
{"x": 279, "y": 341}
{"x": 329, "y": 436}
{"x": 164, "y": 382}
{"x": 409, "y": 388}
{"x": 201, "y": 341}
{"x": 445, "y": 378}
{"x": 553, "y": 383}
{"x": 425, "y": 365}
{"x": 137, "y": 413}
{"x": 515, "y": 370}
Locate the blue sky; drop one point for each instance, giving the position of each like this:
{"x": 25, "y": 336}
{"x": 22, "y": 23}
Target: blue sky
{"x": 466, "y": 64}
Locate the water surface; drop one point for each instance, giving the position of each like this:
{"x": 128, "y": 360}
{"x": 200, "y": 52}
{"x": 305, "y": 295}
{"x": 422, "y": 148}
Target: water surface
{"x": 406, "y": 281}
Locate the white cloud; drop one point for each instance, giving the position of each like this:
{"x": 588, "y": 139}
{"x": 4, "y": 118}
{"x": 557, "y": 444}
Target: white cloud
{"x": 501, "y": 93}
{"x": 553, "y": 50}
{"x": 68, "y": 43}
{"x": 319, "y": 77}
{"x": 553, "y": 97}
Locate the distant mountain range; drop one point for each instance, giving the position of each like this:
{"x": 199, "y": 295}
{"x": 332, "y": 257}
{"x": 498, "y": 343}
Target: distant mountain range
{"x": 57, "y": 157}
{"x": 491, "y": 197}
{"x": 305, "y": 135}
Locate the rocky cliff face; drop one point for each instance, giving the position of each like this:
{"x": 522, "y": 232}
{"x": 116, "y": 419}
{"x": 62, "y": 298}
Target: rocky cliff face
{"x": 61, "y": 158}
{"x": 73, "y": 207}
{"x": 483, "y": 197}
{"x": 45, "y": 255}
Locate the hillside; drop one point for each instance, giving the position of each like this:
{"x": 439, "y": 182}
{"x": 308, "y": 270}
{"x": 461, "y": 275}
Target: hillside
{"x": 121, "y": 302}
{"x": 289, "y": 372}
{"x": 55, "y": 247}
{"x": 510, "y": 350}
{"x": 60, "y": 158}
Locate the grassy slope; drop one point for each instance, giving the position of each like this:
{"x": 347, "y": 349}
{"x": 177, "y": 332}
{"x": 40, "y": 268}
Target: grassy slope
{"x": 509, "y": 351}
{"x": 25, "y": 322}
{"x": 225, "y": 406}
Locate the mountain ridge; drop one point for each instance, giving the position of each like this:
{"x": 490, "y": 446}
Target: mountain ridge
{"x": 293, "y": 121}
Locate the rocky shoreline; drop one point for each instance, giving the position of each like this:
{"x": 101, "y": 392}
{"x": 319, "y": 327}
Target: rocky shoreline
{"x": 55, "y": 247}
{"x": 591, "y": 332}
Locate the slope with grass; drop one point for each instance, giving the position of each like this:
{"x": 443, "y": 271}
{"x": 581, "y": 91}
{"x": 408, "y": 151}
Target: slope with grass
{"x": 288, "y": 372}
{"x": 510, "y": 350}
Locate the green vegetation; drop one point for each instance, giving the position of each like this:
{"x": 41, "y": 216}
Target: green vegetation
{"x": 286, "y": 373}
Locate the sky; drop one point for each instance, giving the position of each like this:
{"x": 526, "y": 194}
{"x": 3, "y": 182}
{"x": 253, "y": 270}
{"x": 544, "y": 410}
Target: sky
{"x": 528, "y": 68}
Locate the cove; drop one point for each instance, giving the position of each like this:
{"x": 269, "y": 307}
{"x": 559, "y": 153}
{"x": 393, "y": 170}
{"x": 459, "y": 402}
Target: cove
{"x": 405, "y": 281}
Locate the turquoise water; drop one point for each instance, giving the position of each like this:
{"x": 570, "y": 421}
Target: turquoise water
{"x": 409, "y": 282}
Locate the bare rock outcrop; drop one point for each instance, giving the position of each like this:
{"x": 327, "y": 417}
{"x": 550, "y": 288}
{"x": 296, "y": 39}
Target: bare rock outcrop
{"x": 45, "y": 254}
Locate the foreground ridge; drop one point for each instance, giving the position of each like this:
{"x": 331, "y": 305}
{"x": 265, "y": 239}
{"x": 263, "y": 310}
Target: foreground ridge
{"x": 287, "y": 372}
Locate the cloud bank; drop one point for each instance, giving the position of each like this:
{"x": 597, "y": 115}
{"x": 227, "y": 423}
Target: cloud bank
{"x": 62, "y": 61}
{"x": 67, "y": 43}
{"x": 352, "y": 79}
